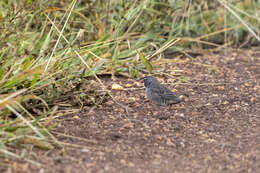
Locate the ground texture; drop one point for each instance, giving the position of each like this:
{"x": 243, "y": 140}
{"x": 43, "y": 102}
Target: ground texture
{"x": 216, "y": 128}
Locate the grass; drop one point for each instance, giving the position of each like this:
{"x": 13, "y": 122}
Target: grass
{"x": 49, "y": 49}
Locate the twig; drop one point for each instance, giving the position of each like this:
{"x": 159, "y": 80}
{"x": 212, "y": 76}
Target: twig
{"x": 75, "y": 137}
{"x": 18, "y": 157}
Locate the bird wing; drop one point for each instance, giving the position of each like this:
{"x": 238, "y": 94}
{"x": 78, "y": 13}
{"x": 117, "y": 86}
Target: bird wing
{"x": 167, "y": 92}
{"x": 164, "y": 92}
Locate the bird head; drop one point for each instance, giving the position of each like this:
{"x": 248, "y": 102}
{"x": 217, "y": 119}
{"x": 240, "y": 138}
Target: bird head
{"x": 148, "y": 80}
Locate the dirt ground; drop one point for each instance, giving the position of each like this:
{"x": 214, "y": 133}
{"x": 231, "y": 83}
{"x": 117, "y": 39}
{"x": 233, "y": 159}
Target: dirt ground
{"x": 216, "y": 128}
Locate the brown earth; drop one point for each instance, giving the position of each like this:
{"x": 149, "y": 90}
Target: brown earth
{"x": 216, "y": 129}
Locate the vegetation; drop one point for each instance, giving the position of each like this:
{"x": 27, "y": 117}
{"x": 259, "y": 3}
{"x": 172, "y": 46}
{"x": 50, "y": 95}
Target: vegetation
{"x": 48, "y": 49}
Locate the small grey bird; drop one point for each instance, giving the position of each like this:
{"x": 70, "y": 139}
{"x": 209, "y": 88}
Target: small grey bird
{"x": 159, "y": 93}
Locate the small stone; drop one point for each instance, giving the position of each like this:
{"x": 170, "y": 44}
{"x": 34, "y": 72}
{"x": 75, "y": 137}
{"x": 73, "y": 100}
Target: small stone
{"x": 117, "y": 87}
{"x": 75, "y": 117}
{"x": 128, "y": 85}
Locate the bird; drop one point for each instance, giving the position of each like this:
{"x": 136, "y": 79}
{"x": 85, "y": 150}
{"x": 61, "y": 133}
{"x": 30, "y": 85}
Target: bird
{"x": 159, "y": 93}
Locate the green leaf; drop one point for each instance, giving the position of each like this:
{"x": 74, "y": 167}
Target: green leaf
{"x": 35, "y": 78}
{"x": 145, "y": 62}
{"x": 115, "y": 54}
{"x": 94, "y": 70}
{"x": 1, "y": 72}
{"x": 133, "y": 72}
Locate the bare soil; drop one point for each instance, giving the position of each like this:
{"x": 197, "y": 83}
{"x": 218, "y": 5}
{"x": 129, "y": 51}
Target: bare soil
{"x": 216, "y": 128}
